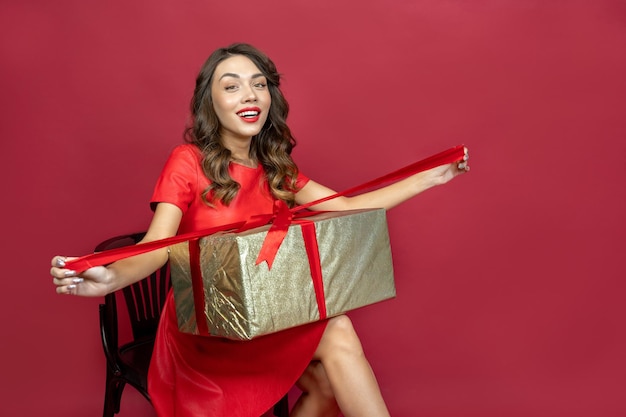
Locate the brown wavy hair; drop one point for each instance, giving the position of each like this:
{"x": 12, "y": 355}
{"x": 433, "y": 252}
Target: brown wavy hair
{"x": 271, "y": 147}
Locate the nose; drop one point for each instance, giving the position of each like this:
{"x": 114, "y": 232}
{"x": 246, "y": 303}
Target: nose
{"x": 249, "y": 95}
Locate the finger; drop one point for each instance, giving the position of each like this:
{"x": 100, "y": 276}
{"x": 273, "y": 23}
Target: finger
{"x": 62, "y": 282}
{"x": 69, "y": 286}
{"x": 59, "y": 261}
{"x": 466, "y": 155}
{"x": 61, "y": 272}
{"x": 71, "y": 289}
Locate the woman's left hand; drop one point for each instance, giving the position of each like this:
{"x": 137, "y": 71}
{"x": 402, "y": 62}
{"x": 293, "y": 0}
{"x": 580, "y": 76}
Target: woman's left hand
{"x": 444, "y": 173}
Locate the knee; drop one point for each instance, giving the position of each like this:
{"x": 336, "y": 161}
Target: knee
{"x": 340, "y": 337}
{"x": 340, "y": 327}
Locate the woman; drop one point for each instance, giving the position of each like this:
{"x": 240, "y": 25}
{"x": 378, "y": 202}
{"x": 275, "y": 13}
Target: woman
{"x": 236, "y": 163}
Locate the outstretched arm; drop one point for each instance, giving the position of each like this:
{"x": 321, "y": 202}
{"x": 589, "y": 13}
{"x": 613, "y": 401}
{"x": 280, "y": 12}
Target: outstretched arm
{"x": 100, "y": 280}
{"x": 385, "y": 197}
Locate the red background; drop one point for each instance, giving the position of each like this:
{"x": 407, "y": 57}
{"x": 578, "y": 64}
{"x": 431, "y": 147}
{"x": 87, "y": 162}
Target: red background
{"x": 510, "y": 279}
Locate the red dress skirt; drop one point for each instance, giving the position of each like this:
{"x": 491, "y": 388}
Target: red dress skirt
{"x": 209, "y": 376}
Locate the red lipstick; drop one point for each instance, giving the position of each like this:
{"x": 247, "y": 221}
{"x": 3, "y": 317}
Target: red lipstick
{"x": 249, "y": 114}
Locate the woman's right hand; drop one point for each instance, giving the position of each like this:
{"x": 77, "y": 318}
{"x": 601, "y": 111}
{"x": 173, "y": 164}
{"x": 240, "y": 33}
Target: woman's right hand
{"x": 94, "y": 282}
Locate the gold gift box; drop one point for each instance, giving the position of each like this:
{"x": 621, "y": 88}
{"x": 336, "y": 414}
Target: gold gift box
{"x": 243, "y": 300}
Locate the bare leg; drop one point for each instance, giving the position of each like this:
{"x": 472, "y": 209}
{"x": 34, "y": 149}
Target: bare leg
{"x": 351, "y": 378}
{"x": 317, "y": 399}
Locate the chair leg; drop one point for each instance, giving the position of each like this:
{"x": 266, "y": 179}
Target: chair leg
{"x": 119, "y": 389}
{"x": 111, "y": 405}
{"x": 281, "y": 409}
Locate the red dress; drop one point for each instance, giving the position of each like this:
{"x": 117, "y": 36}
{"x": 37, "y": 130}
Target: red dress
{"x": 193, "y": 376}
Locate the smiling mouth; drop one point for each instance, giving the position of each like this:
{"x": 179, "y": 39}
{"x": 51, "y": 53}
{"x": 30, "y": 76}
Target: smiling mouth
{"x": 249, "y": 114}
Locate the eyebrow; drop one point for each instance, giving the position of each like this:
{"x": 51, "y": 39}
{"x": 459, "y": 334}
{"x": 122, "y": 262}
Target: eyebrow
{"x": 230, "y": 74}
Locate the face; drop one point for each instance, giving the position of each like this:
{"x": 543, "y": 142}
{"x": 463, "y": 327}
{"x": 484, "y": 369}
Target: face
{"x": 241, "y": 98}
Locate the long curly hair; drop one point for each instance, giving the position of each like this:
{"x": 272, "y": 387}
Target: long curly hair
{"x": 271, "y": 147}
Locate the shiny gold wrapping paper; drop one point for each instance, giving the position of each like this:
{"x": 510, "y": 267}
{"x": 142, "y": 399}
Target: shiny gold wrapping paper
{"x": 244, "y": 300}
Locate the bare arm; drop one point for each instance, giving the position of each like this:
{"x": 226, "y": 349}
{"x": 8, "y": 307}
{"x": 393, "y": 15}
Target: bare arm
{"x": 385, "y": 197}
{"x": 99, "y": 281}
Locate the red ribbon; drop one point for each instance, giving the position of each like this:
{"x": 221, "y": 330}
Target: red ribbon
{"x": 281, "y": 219}
{"x": 315, "y": 265}
{"x": 108, "y": 256}
{"x": 283, "y": 215}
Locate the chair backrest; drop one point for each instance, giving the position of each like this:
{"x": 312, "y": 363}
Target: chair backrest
{"x": 144, "y": 299}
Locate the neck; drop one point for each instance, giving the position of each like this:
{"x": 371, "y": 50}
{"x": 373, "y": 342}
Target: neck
{"x": 239, "y": 147}
{"x": 249, "y": 162}
{"x": 240, "y": 153}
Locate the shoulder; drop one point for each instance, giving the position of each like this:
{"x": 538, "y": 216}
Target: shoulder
{"x": 186, "y": 150}
{"x": 185, "y": 156}
{"x": 179, "y": 180}
{"x": 184, "y": 160}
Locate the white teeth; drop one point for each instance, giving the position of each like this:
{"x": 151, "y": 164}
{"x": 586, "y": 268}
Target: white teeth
{"x": 250, "y": 113}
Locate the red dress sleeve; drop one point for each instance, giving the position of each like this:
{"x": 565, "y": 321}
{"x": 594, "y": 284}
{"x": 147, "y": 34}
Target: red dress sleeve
{"x": 301, "y": 181}
{"x": 178, "y": 182}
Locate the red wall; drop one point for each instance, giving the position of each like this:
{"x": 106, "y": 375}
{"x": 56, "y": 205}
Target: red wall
{"x": 510, "y": 279}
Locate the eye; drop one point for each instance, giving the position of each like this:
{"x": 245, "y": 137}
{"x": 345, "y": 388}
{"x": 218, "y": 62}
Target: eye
{"x": 230, "y": 87}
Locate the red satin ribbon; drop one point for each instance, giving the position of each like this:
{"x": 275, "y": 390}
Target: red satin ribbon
{"x": 283, "y": 215}
{"x": 282, "y": 218}
{"x": 280, "y": 221}
{"x": 108, "y": 256}
{"x": 315, "y": 265}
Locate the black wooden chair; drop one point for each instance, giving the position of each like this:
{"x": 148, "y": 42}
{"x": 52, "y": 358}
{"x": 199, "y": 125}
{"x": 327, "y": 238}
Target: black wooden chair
{"x": 128, "y": 363}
